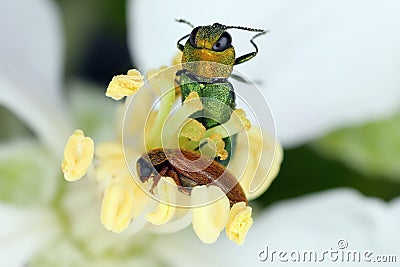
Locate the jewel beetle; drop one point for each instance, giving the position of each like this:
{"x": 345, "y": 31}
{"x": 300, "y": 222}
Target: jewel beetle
{"x": 208, "y": 57}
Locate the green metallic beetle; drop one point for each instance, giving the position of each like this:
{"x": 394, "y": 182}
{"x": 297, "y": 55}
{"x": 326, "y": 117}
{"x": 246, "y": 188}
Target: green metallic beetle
{"x": 206, "y": 46}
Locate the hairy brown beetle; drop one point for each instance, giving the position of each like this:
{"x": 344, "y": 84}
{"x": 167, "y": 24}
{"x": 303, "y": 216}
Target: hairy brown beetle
{"x": 188, "y": 169}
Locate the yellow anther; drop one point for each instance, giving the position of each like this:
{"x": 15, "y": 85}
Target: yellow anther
{"x": 240, "y": 115}
{"x": 220, "y": 146}
{"x": 239, "y": 222}
{"x": 193, "y": 101}
{"x": 210, "y": 218}
{"x": 237, "y": 123}
{"x": 193, "y": 130}
{"x": 78, "y": 155}
{"x": 124, "y": 85}
{"x": 117, "y": 207}
{"x": 212, "y": 147}
{"x": 167, "y": 191}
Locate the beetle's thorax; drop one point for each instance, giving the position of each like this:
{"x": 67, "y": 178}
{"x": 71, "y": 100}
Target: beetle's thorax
{"x": 204, "y": 61}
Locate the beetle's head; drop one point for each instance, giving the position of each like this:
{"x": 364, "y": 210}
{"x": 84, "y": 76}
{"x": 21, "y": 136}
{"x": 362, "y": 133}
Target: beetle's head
{"x": 144, "y": 168}
{"x": 209, "y": 44}
{"x": 212, "y": 44}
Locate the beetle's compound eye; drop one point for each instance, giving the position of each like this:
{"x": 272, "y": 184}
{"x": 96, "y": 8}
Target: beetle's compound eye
{"x": 143, "y": 169}
{"x": 192, "y": 38}
{"x": 223, "y": 42}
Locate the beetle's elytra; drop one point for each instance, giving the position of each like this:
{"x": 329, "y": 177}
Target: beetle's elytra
{"x": 188, "y": 169}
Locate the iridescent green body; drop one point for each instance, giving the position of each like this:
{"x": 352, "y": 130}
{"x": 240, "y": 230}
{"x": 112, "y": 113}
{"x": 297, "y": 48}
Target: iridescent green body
{"x": 207, "y": 63}
{"x": 218, "y": 100}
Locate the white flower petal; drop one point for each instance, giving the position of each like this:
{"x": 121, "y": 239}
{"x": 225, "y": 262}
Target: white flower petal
{"x": 82, "y": 204}
{"x": 315, "y": 222}
{"x": 323, "y": 66}
{"x": 178, "y": 224}
{"x": 73, "y": 255}
{"x": 92, "y": 111}
{"x": 31, "y": 67}
{"x": 23, "y": 232}
{"x": 29, "y": 175}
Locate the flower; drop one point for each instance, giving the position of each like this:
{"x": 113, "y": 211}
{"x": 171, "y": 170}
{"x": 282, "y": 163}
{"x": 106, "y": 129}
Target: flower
{"x": 45, "y": 222}
{"x": 124, "y": 85}
{"x": 315, "y": 223}
{"x": 128, "y": 199}
{"x": 31, "y": 70}
{"x": 78, "y": 155}
{"x": 239, "y": 222}
{"x": 323, "y": 65}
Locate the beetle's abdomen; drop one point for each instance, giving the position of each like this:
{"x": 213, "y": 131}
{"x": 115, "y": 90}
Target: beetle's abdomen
{"x": 218, "y": 100}
{"x": 205, "y": 172}
{"x": 192, "y": 169}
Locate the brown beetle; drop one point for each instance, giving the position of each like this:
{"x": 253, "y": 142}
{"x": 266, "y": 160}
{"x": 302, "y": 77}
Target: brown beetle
{"x": 188, "y": 169}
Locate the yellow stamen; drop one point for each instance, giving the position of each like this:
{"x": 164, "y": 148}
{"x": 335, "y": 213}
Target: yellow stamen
{"x": 112, "y": 169}
{"x": 176, "y": 120}
{"x": 153, "y": 72}
{"x": 167, "y": 191}
{"x": 210, "y": 218}
{"x": 154, "y": 82}
{"x": 111, "y": 161}
{"x": 219, "y": 146}
{"x": 108, "y": 149}
{"x": 239, "y": 222}
{"x": 141, "y": 197}
{"x": 250, "y": 158}
{"x": 193, "y": 101}
{"x": 237, "y": 123}
{"x": 164, "y": 82}
{"x": 193, "y": 130}
{"x": 124, "y": 85}
{"x": 78, "y": 155}
{"x": 117, "y": 207}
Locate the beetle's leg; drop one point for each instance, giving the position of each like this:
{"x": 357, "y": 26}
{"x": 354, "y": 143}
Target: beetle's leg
{"x": 181, "y": 46}
{"x": 157, "y": 178}
{"x": 245, "y": 58}
{"x": 144, "y": 179}
{"x": 184, "y": 184}
{"x": 249, "y": 56}
{"x": 174, "y": 175}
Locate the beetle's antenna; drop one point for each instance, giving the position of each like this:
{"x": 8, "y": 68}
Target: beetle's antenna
{"x": 260, "y": 32}
{"x": 184, "y": 21}
{"x": 248, "y": 56}
{"x": 255, "y": 36}
{"x": 246, "y": 29}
